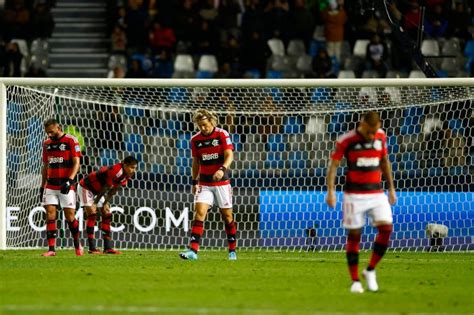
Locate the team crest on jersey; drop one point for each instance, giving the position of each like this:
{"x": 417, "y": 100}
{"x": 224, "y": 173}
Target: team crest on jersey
{"x": 215, "y": 142}
{"x": 62, "y": 147}
{"x": 378, "y": 145}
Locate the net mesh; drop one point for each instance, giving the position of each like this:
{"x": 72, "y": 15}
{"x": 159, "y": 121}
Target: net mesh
{"x": 283, "y": 138}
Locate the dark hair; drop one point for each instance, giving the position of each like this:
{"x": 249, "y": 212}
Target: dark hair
{"x": 371, "y": 118}
{"x": 50, "y": 122}
{"x": 129, "y": 160}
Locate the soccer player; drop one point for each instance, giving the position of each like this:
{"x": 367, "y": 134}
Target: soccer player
{"x": 61, "y": 161}
{"x": 365, "y": 149}
{"x": 212, "y": 152}
{"x": 95, "y": 191}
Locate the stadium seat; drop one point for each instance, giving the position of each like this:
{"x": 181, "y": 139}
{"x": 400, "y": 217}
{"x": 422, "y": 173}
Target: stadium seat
{"x": 273, "y": 74}
{"x": 184, "y": 63}
{"x": 469, "y": 49}
{"x": 396, "y": 74}
{"x": 360, "y": 48}
{"x": 252, "y": 74}
{"x": 117, "y": 61}
{"x": 451, "y": 47}
{"x": 370, "y": 74}
{"x": 275, "y": 143}
{"x": 304, "y": 64}
{"x": 430, "y": 47}
{"x": 346, "y": 74}
{"x": 23, "y": 47}
{"x": 279, "y": 63}
{"x": 204, "y": 75}
{"x": 144, "y": 60}
{"x": 108, "y": 157}
{"x": 293, "y": 124}
{"x": 296, "y": 48}
{"x": 208, "y": 63}
{"x": 134, "y": 144}
{"x": 416, "y": 74}
{"x": 184, "y": 141}
{"x": 39, "y": 47}
{"x": 276, "y": 46}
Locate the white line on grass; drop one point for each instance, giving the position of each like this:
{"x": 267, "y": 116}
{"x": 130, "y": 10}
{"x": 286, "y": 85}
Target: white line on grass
{"x": 177, "y": 310}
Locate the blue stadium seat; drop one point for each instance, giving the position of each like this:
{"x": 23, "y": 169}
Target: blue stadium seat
{"x": 236, "y": 142}
{"x": 204, "y": 74}
{"x": 108, "y": 157}
{"x": 14, "y": 112}
{"x": 184, "y": 162}
{"x": 412, "y": 120}
{"x": 469, "y": 49}
{"x": 456, "y": 126}
{"x": 339, "y": 122}
{"x": 293, "y": 125}
{"x": 275, "y": 143}
{"x": 134, "y": 112}
{"x": 297, "y": 159}
{"x": 321, "y": 95}
{"x": 178, "y": 94}
{"x": 184, "y": 141}
{"x": 134, "y": 144}
{"x": 274, "y": 160}
{"x": 272, "y": 74}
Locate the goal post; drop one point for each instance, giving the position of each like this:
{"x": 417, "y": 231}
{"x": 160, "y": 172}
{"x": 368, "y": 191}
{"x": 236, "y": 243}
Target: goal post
{"x": 283, "y": 132}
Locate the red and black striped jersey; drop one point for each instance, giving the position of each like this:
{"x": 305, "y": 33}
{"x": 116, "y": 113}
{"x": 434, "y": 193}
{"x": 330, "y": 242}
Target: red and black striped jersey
{"x": 59, "y": 155}
{"x": 209, "y": 150}
{"x": 112, "y": 176}
{"x": 363, "y": 173}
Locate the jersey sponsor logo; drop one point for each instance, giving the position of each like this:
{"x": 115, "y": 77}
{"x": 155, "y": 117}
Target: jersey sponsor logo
{"x": 55, "y": 159}
{"x": 367, "y": 162}
{"x": 212, "y": 156}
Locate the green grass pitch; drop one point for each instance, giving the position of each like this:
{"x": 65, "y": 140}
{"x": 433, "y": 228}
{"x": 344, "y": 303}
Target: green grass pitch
{"x": 158, "y": 282}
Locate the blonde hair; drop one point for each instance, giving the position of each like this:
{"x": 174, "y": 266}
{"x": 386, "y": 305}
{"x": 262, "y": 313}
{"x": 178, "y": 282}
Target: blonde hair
{"x": 202, "y": 114}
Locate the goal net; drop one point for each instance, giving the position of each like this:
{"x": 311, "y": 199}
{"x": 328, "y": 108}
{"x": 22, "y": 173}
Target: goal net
{"x": 283, "y": 132}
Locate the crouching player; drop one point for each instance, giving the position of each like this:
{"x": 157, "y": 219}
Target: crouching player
{"x": 95, "y": 191}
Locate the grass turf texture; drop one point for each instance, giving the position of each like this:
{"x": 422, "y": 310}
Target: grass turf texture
{"x": 144, "y": 282}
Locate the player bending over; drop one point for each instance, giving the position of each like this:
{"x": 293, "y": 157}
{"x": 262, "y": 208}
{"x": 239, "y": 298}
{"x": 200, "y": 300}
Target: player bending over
{"x": 61, "y": 161}
{"x": 365, "y": 149}
{"x": 95, "y": 191}
{"x": 212, "y": 152}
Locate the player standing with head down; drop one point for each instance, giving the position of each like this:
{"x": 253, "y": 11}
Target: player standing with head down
{"x": 61, "y": 162}
{"x": 365, "y": 149}
{"x": 95, "y": 191}
{"x": 212, "y": 152}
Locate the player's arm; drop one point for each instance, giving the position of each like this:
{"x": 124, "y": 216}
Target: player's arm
{"x": 228, "y": 159}
{"x": 387, "y": 174}
{"x": 66, "y": 187}
{"x": 195, "y": 173}
{"x": 331, "y": 182}
{"x": 101, "y": 193}
{"x": 44, "y": 178}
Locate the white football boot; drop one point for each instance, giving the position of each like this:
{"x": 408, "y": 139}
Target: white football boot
{"x": 371, "y": 279}
{"x": 356, "y": 287}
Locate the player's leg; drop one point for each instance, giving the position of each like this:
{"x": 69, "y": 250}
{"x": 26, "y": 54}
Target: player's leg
{"x": 68, "y": 203}
{"x": 223, "y": 195}
{"x": 86, "y": 200}
{"x": 353, "y": 221}
{"x": 106, "y": 232}
{"x": 203, "y": 199}
{"x": 51, "y": 229}
{"x": 381, "y": 217}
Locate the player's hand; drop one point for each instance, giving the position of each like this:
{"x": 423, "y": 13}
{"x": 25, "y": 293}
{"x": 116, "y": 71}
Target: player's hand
{"x": 66, "y": 187}
{"x": 218, "y": 175}
{"x": 94, "y": 208}
{"x": 195, "y": 189}
{"x": 41, "y": 193}
{"x": 392, "y": 197}
{"x": 331, "y": 199}
{"x": 106, "y": 207}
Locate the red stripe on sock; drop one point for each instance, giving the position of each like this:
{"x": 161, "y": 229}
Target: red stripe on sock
{"x": 196, "y": 229}
{"x": 231, "y": 229}
{"x": 382, "y": 238}
{"x": 352, "y": 246}
{"x": 51, "y": 226}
